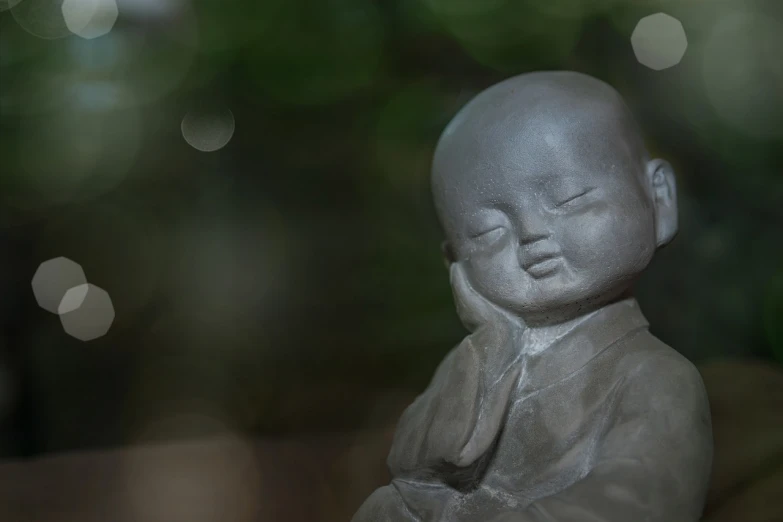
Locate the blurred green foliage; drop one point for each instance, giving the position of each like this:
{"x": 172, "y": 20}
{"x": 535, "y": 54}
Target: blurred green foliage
{"x": 292, "y": 278}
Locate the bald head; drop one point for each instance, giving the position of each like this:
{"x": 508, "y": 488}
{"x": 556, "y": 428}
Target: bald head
{"x": 534, "y": 123}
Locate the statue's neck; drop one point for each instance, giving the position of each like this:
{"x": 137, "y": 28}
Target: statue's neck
{"x": 536, "y": 339}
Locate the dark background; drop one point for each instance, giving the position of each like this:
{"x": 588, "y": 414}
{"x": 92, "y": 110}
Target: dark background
{"x": 291, "y": 282}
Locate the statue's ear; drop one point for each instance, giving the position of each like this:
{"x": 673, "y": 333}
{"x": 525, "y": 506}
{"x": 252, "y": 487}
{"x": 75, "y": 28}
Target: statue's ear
{"x": 447, "y": 251}
{"x": 660, "y": 176}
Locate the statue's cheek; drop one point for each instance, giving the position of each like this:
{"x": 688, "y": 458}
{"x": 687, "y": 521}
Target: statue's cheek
{"x": 587, "y": 229}
{"x": 605, "y": 238}
{"x": 496, "y": 271}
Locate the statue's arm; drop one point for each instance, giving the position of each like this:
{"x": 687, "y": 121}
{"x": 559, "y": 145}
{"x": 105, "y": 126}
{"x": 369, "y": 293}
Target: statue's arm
{"x": 655, "y": 461}
{"x": 425, "y": 437}
{"x": 430, "y": 438}
{"x": 442, "y": 439}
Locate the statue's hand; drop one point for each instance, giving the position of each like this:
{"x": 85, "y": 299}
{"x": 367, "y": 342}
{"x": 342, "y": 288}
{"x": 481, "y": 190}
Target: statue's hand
{"x": 455, "y": 421}
{"x": 474, "y": 310}
{"x": 491, "y": 352}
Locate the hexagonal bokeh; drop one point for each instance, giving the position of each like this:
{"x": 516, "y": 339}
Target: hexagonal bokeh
{"x": 53, "y": 279}
{"x": 90, "y": 18}
{"x": 86, "y": 312}
{"x": 659, "y": 41}
{"x": 743, "y": 74}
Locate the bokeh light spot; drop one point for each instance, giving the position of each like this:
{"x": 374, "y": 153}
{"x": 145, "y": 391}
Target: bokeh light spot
{"x": 53, "y": 279}
{"x": 94, "y": 316}
{"x": 90, "y": 18}
{"x": 125, "y": 246}
{"x": 76, "y": 154}
{"x": 41, "y": 18}
{"x": 743, "y": 73}
{"x": 659, "y": 41}
{"x": 208, "y": 128}
{"x": 73, "y": 299}
{"x": 5, "y": 5}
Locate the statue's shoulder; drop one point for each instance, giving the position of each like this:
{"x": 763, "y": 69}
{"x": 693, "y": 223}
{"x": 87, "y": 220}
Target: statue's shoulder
{"x": 645, "y": 351}
{"x": 656, "y": 369}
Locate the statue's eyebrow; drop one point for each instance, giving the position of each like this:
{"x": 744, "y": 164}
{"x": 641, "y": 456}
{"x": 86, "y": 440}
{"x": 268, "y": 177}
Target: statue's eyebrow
{"x": 500, "y": 206}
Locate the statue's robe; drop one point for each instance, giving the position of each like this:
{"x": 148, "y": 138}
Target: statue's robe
{"x": 607, "y": 424}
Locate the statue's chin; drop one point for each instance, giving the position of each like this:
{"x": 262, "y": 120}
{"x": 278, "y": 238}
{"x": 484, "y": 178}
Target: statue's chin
{"x": 569, "y": 304}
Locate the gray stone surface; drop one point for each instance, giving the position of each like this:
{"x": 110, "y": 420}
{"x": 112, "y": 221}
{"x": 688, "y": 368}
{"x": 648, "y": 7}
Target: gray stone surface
{"x": 559, "y": 405}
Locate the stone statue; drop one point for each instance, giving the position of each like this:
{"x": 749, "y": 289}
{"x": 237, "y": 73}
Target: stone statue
{"x": 559, "y": 406}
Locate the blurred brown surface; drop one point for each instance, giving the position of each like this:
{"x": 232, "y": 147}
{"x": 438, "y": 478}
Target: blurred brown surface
{"x": 325, "y": 478}
{"x": 746, "y": 399}
{"x": 214, "y": 480}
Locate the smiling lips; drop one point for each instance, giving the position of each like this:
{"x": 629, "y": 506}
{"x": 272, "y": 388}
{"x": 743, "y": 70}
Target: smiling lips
{"x": 542, "y": 265}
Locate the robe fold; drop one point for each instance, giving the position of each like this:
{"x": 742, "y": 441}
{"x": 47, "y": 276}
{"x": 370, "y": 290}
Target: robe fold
{"x": 607, "y": 424}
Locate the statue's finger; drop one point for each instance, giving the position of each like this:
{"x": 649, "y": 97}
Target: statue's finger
{"x": 472, "y": 309}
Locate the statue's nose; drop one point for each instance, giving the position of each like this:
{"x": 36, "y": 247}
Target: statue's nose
{"x": 534, "y": 227}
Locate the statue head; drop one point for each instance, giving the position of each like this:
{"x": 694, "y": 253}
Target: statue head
{"x": 548, "y": 197}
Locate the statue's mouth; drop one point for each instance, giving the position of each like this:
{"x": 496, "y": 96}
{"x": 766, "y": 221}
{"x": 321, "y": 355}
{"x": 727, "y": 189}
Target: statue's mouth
{"x": 543, "y": 265}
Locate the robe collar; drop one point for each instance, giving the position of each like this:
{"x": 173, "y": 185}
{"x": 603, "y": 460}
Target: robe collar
{"x": 575, "y": 348}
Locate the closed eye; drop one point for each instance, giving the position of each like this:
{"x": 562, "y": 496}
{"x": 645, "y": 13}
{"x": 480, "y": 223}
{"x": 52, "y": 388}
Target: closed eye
{"x": 574, "y": 197}
{"x": 486, "y": 233}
